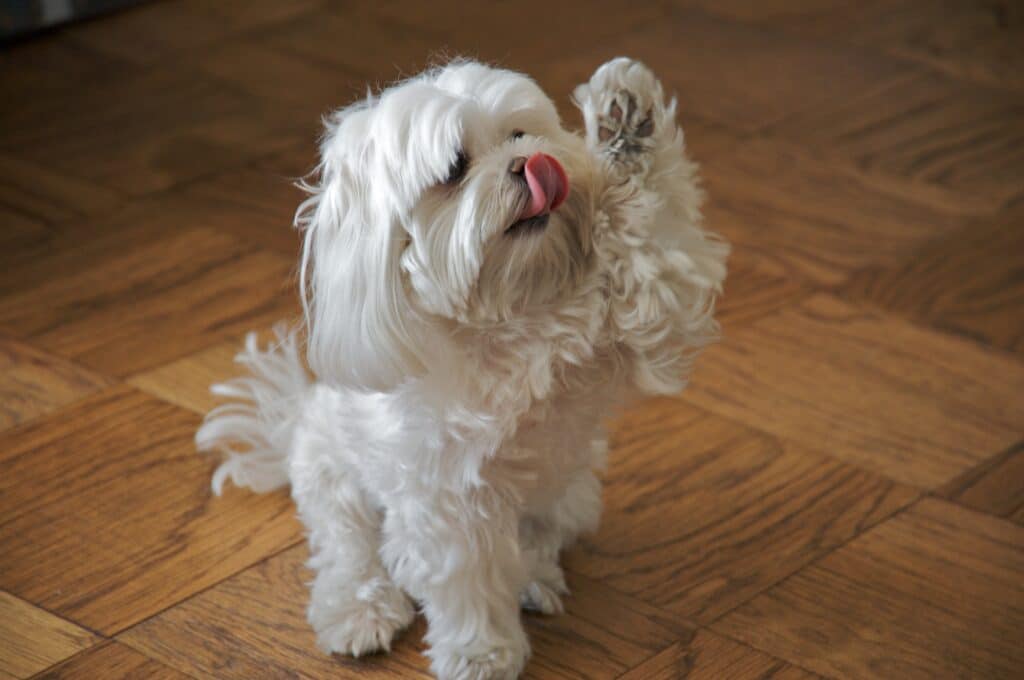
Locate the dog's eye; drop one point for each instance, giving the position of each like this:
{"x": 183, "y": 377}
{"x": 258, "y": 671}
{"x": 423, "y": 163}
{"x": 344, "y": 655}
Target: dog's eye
{"x": 458, "y": 168}
{"x": 516, "y": 134}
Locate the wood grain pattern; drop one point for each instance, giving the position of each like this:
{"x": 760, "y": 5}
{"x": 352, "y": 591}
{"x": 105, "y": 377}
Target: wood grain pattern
{"x": 316, "y": 37}
{"x": 995, "y": 487}
{"x": 147, "y": 131}
{"x": 110, "y": 661}
{"x": 506, "y": 33}
{"x": 671, "y": 460}
{"x": 261, "y": 198}
{"x": 975, "y": 40}
{"x": 668, "y": 664}
{"x": 48, "y": 68}
{"x": 871, "y": 390}
{"x": 37, "y": 193}
{"x": 969, "y": 282}
{"x": 160, "y": 33}
{"x": 611, "y": 632}
{"x": 304, "y": 88}
{"x": 781, "y": 13}
{"x": 707, "y": 656}
{"x": 420, "y": 35}
{"x": 32, "y": 639}
{"x": 980, "y": 41}
{"x": 756, "y": 286}
{"x": 935, "y": 592}
{"x": 809, "y": 219}
{"x": 712, "y": 657}
{"x": 254, "y": 625}
{"x": 137, "y": 309}
{"x": 19, "y": 229}
{"x": 186, "y": 382}
{"x": 734, "y": 73}
{"x": 864, "y": 158}
{"x": 924, "y": 132}
{"x": 33, "y": 382}
{"x": 73, "y": 246}
{"x": 108, "y": 516}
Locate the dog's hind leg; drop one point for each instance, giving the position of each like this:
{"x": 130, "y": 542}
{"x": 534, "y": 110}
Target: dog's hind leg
{"x": 542, "y": 538}
{"x": 354, "y": 607}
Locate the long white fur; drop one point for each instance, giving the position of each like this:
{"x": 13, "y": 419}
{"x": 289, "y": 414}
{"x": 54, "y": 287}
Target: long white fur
{"x": 450, "y": 445}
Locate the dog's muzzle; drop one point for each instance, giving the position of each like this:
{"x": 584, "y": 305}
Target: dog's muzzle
{"x": 549, "y": 187}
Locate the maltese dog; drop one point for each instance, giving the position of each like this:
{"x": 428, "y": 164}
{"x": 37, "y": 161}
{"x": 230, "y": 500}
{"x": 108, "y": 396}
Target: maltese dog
{"x": 481, "y": 289}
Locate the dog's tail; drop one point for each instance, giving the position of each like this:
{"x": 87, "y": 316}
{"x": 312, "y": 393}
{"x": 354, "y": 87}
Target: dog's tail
{"x": 262, "y": 416}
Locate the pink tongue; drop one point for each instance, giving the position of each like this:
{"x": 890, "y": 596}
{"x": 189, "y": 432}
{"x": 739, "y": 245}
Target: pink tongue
{"x": 548, "y": 185}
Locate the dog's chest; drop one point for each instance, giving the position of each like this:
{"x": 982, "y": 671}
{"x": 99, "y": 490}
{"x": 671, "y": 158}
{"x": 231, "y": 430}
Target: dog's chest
{"x": 552, "y": 444}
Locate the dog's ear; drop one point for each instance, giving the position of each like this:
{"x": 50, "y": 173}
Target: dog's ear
{"x": 363, "y": 332}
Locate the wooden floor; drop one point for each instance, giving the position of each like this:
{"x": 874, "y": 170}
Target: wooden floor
{"x": 841, "y": 491}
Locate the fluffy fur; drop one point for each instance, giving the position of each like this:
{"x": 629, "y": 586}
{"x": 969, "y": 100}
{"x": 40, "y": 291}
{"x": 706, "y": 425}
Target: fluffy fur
{"x": 449, "y": 446}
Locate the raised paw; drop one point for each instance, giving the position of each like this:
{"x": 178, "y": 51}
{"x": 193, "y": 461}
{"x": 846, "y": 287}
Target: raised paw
{"x": 363, "y": 623}
{"x": 625, "y": 126}
{"x": 624, "y": 112}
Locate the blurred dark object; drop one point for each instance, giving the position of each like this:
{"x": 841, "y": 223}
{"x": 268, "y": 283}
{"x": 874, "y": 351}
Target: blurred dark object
{"x": 19, "y": 18}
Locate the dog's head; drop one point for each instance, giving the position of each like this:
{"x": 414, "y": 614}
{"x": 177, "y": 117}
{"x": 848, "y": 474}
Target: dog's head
{"x": 454, "y": 199}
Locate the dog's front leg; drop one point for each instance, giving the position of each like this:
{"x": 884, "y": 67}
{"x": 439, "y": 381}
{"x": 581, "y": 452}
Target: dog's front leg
{"x": 633, "y": 130}
{"x": 354, "y": 606}
{"x": 544, "y": 534}
{"x": 458, "y": 554}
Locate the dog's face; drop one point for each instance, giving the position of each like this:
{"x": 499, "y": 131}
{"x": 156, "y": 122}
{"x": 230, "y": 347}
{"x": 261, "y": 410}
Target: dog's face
{"x": 452, "y": 200}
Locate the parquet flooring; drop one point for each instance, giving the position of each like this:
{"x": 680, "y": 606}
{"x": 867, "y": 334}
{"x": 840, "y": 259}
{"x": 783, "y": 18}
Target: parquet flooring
{"x": 840, "y": 492}
{"x": 32, "y": 639}
{"x": 935, "y": 592}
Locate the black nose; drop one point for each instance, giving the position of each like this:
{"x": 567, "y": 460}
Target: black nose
{"x": 517, "y": 164}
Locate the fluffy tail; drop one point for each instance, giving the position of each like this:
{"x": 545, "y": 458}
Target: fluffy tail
{"x": 262, "y": 417}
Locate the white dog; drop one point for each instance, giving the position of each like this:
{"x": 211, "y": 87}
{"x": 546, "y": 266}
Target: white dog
{"x": 481, "y": 289}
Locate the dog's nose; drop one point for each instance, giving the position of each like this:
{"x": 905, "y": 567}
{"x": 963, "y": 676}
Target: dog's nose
{"x": 517, "y": 164}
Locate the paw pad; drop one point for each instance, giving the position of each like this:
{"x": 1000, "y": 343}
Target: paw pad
{"x": 621, "y": 128}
